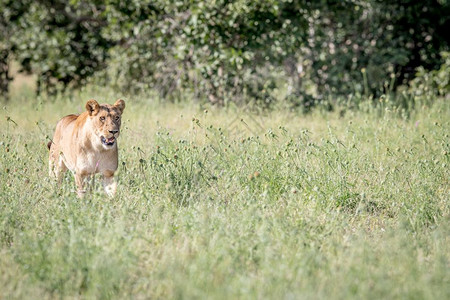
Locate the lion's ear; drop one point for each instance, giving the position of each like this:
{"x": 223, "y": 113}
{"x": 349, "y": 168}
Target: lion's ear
{"x": 120, "y": 104}
{"x": 92, "y": 107}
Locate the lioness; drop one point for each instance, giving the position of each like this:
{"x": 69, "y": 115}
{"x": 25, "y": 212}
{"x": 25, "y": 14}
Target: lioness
{"x": 86, "y": 144}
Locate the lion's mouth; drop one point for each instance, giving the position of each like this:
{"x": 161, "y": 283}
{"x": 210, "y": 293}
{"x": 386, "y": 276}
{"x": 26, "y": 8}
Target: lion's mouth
{"x": 108, "y": 141}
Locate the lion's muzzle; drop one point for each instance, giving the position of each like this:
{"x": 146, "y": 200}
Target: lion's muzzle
{"x": 108, "y": 141}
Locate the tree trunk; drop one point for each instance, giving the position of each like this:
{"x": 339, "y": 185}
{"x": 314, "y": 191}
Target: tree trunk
{"x": 4, "y": 74}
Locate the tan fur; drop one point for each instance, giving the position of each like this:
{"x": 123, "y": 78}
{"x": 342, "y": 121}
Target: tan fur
{"x": 86, "y": 144}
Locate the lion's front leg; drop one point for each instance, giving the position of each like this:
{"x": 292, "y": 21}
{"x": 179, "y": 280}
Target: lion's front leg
{"x": 109, "y": 183}
{"x": 80, "y": 182}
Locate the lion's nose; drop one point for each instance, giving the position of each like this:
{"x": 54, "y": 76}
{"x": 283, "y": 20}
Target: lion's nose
{"x": 113, "y": 132}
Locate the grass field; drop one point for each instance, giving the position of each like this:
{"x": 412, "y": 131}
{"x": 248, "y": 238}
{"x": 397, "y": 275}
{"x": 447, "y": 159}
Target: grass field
{"x": 226, "y": 204}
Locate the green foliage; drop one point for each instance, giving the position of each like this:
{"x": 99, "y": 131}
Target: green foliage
{"x": 10, "y": 12}
{"x": 239, "y": 51}
{"x": 210, "y": 48}
{"x": 60, "y": 41}
{"x": 436, "y": 82}
{"x": 377, "y": 38}
{"x": 300, "y": 53}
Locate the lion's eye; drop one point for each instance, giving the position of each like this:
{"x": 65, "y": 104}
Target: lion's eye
{"x": 102, "y": 119}
{"x": 117, "y": 118}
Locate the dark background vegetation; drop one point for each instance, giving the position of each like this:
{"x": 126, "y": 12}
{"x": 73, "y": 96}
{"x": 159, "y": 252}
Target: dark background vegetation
{"x": 297, "y": 52}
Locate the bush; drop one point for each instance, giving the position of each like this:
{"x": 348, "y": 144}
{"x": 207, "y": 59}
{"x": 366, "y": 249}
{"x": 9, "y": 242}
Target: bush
{"x": 262, "y": 51}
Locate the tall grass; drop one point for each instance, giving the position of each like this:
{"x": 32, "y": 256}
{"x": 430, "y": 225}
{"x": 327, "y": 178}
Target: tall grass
{"x": 229, "y": 204}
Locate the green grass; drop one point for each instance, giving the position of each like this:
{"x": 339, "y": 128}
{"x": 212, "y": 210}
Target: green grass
{"x": 227, "y": 204}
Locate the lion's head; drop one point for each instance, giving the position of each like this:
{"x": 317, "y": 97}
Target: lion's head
{"x": 105, "y": 120}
